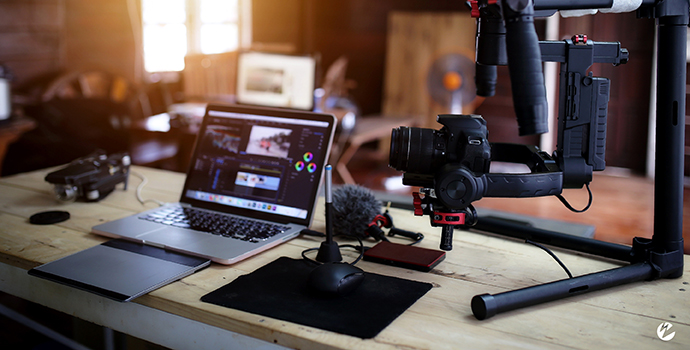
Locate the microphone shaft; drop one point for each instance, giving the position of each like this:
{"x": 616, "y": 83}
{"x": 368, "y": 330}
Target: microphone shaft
{"x": 329, "y": 205}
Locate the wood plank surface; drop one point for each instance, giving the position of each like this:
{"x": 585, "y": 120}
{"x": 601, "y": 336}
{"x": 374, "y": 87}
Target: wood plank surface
{"x": 622, "y": 317}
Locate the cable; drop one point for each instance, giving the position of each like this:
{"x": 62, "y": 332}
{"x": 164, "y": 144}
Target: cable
{"x": 393, "y": 232}
{"x": 360, "y": 249}
{"x": 567, "y": 205}
{"x": 552, "y": 255}
{"x": 421, "y": 237}
{"x": 143, "y": 183}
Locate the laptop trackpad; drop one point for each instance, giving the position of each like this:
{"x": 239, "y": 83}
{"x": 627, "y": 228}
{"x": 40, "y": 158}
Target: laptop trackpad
{"x": 176, "y": 238}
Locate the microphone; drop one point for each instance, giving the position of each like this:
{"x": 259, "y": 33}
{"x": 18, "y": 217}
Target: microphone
{"x": 354, "y": 208}
{"x": 357, "y": 212}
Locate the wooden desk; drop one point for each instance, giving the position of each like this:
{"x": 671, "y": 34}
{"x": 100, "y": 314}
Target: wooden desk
{"x": 621, "y": 317}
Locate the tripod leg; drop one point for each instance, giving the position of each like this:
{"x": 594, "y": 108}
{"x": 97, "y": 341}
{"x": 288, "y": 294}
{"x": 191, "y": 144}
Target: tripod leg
{"x": 487, "y": 305}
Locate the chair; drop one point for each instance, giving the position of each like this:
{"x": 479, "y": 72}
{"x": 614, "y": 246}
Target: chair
{"x": 354, "y": 130}
{"x": 332, "y": 98}
{"x": 368, "y": 129}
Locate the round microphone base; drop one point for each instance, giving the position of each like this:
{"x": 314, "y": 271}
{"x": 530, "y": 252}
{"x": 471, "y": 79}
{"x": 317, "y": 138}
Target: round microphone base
{"x": 329, "y": 252}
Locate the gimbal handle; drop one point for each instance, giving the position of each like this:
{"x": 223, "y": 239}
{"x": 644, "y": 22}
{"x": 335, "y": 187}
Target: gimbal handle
{"x": 525, "y": 67}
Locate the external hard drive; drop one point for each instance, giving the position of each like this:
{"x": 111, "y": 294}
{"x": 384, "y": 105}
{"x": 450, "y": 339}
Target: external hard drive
{"x": 405, "y": 256}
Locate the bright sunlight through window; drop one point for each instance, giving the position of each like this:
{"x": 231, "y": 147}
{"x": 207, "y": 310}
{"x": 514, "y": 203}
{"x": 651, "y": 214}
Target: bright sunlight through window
{"x": 174, "y": 28}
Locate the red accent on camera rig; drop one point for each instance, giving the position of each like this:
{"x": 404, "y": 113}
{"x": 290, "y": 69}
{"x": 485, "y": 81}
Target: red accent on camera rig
{"x": 474, "y": 4}
{"x": 441, "y": 218}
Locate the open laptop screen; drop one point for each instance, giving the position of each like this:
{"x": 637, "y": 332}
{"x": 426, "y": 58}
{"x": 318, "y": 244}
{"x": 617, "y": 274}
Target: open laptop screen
{"x": 276, "y": 80}
{"x": 260, "y": 162}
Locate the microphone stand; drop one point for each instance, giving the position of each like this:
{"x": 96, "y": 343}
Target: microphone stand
{"x": 329, "y": 251}
{"x": 662, "y": 255}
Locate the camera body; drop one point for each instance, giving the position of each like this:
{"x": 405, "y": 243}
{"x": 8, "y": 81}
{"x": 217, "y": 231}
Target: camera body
{"x": 90, "y": 178}
{"x": 453, "y": 161}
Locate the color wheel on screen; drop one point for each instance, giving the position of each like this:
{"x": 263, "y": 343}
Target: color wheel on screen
{"x": 308, "y": 157}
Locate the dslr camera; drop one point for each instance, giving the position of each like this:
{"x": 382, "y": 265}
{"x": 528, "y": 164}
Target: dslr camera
{"x": 451, "y": 167}
{"x": 90, "y": 178}
{"x": 452, "y": 161}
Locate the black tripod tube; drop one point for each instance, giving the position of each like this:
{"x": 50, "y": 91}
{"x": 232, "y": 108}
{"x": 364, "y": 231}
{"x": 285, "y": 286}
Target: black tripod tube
{"x": 670, "y": 135}
{"x": 487, "y": 305}
{"x": 556, "y": 239}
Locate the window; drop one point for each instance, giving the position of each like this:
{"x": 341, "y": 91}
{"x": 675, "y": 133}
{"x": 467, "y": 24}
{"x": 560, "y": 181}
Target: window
{"x": 175, "y": 28}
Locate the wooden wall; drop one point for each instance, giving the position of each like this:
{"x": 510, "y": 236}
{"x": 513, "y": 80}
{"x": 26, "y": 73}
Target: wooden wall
{"x": 31, "y": 37}
{"x": 98, "y": 34}
{"x": 41, "y": 37}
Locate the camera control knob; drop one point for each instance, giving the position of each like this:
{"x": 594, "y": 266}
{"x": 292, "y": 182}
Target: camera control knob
{"x": 457, "y": 187}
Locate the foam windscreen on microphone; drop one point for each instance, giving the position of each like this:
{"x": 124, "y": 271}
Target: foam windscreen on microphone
{"x": 354, "y": 207}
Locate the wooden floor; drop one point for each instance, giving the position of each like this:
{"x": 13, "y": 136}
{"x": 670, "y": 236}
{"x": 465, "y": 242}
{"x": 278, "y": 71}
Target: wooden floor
{"x": 621, "y": 210}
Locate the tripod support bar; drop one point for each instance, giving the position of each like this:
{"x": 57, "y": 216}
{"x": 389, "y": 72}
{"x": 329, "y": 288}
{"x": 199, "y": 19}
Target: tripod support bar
{"x": 487, "y": 305}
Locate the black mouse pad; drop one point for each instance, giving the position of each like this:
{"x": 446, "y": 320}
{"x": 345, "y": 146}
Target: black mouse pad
{"x": 279, "y": 290}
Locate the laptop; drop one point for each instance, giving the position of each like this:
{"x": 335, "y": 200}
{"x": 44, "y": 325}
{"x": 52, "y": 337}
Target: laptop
{"x": 252, "y": 183}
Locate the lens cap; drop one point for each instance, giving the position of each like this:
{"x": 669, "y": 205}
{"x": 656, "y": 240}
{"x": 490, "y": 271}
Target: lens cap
{"x": 49, "y": 217}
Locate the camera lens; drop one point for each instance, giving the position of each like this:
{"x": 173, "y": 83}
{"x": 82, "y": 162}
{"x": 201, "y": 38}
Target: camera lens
{"x": 65, "y": 193}
{"x": 400, "y": 138}
{"x": 412, "y": 149}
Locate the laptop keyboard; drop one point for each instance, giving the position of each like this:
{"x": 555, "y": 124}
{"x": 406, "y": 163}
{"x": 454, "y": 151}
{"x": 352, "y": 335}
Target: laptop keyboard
{"x": 215, "y": 223}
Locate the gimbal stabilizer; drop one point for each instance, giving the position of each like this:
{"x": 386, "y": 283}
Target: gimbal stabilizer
{"x": 453, "y": 169}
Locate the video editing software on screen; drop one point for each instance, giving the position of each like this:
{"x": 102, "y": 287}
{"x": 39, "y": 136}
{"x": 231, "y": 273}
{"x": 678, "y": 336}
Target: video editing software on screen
{"x": 262, "y": 163}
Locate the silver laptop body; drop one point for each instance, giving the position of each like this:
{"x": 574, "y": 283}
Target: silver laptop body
{"x": 254, "y": 163}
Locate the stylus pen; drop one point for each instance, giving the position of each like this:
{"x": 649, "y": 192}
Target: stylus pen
{"x": 329, "y": 205}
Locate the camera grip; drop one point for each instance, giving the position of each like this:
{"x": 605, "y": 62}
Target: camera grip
{"x": 447, "y": 238}
{"x": 525, "y": 69}
{"x": 524, "y": 185}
